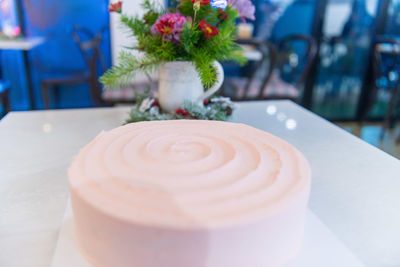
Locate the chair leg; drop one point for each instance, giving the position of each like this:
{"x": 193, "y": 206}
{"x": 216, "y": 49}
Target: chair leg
{"x": 6, "y": 102}
{"x": 389, "y": 112}
{"x": 56, "y": 90}
{"x": 3, "y": 102}
{"x": 46, "y": 95}
{"x": 95, "y": 92}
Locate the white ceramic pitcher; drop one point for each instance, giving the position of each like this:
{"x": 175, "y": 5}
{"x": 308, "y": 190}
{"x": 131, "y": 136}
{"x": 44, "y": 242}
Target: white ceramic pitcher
{"x": 180, "y": 82}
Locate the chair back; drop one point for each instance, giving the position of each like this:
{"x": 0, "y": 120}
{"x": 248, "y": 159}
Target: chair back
{"x": 89, "y": 46}
{"x": 387, "y": 77}
{"x": 295, "y": 56}
{"x": 261, "y": 73}
{"x": 386, "y": 62}
{"x": 289, "y": 61}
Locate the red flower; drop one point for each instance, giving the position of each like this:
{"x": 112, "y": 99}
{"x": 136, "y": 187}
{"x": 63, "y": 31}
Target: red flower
{"x": 209, "y": 30}
{"x": 182, "y": 112}
{"x": 202, "y": 2}
{"x": 206, "y": 101}
{"x": 165, "y": 27}
{"x": 222, "y": 15}
{"x": 116, "y": 7}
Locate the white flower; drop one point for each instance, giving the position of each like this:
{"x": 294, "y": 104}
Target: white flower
{"x": 223, "y": 101}
{"x": 222, "y": 4}
{"x": 146, "y": 104}
{"x": 154, "y": 110}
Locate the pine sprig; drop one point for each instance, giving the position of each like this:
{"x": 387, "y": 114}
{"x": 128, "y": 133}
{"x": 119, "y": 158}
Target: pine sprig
{"x": 148, "y": 5}
{"x": 135, "y": 115}
{"x": 204, "y": 66}
{"x": 126, "y": 70}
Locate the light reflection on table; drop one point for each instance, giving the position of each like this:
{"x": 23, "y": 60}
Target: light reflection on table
{"x": 290, "y": 123}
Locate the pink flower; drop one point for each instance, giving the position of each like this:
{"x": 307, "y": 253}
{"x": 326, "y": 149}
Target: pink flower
{"x": 116, "y": 7}
{"x": 170, "y": 26}
{"x": 245, "y": 8}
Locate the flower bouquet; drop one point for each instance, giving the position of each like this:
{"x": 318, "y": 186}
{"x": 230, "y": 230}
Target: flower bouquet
{"x": 197, "y": 32}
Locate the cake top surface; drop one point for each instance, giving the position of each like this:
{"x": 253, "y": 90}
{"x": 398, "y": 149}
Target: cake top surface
{"x": 188, "y": 174}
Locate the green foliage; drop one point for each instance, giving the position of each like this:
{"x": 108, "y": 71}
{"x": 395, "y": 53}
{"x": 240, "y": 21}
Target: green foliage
{"x": 186, "y": 8}
{"x": 128, "y": 67}
{"x": 136, "y": 115}
{"x": 189, "y": 39}
{"x": 193, "y": 45}
{"x": 152, "y": 12}
{"x": 198, "y": 112}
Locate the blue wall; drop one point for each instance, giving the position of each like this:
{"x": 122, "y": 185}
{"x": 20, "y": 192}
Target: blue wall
{"x": 54, "y": 19}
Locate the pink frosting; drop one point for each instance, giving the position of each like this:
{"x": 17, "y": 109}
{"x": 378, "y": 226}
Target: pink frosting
{"x": 192, "y": 175}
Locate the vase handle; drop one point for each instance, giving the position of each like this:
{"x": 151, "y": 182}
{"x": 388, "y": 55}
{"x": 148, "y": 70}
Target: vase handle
{"x": 218, "y": 83}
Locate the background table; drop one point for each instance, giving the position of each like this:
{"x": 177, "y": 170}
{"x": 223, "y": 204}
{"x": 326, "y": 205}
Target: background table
{"x": 24, "y": 44}
{"x": 355, "y": 186}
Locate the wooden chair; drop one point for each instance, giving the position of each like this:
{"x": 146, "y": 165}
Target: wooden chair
{"x": 4, "y": 97}
{"x": 387, "y": 76}
{"x": 290, "y": 63}
{"x": 89, "y": 46}
{"x": 237, "y": 88}
{"x": 293, "y": 62}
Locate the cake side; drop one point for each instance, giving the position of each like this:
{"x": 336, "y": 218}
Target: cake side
{"x": 188, "y": 193}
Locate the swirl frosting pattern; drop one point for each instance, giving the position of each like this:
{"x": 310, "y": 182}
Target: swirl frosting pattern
{"x": 189, "y": 174}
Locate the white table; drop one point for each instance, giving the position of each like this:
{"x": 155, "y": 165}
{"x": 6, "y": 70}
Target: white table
{"x": 20, "y": 43}
{"x": 252, "y": 54}
{"x": 355, "y": 188}
{"x": 24, "y": 44}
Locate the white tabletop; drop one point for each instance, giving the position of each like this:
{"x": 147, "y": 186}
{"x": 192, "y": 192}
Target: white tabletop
{"x": 251, "y": 53}
{"x": 20, "y": 43}
{"x": 355, "y": 188}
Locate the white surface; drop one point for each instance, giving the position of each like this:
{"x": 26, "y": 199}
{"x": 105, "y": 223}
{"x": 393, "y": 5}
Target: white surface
{"x": 254, "y": 55}
{"x": 251, "y": 53}
{"x": 355, "y": 187}
{"x": 179, "y": 82}
{"x": 321, "y": 247}
{"x": 20, "y": 43}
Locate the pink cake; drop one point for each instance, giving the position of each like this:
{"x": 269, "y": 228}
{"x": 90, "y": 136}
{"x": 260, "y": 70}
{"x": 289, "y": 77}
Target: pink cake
{"x": 189, "y": 194}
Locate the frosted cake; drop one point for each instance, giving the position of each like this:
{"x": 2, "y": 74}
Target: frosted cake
{"x": 189, "y": 194}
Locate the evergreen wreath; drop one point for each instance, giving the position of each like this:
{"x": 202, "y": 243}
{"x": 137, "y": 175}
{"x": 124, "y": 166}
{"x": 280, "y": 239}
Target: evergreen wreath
{"x": 148, "y": 109}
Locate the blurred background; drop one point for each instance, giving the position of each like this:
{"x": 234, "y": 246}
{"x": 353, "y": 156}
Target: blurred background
{"x": 338, "y": 58}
